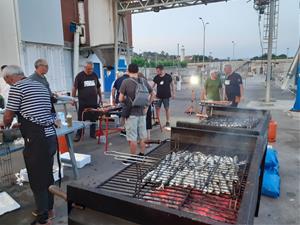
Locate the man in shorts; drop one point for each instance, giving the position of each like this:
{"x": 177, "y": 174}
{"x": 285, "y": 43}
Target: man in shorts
{"x": 165, "y": 90}
{"x": 136, "y": 119}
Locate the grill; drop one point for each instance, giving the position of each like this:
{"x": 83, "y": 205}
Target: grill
{"x": 234, "y": 120}
{"x": 129, "y": 195}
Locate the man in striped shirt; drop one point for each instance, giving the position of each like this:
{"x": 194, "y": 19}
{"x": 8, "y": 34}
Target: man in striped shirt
{"x": 30, "y": 101}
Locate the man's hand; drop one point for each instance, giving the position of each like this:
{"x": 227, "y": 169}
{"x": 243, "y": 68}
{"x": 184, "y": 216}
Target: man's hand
{"x": 173, "y": 96}
{"x": 16, "y": 125}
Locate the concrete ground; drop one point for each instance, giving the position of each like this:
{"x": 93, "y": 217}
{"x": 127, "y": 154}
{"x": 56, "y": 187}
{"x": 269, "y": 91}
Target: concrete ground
{"x": 284, "y": 210}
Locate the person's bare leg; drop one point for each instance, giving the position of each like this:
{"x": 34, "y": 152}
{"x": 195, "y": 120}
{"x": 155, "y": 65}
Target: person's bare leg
{"x": 167, "y": 114}
{"x": 157, "y": 114}
{"x": 142, "y": 146}
{"x": 148, "y": 135}
{"x": 133, "y": 146}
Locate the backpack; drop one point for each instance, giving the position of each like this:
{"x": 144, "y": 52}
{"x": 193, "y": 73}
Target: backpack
{"x": 141, "y": 94}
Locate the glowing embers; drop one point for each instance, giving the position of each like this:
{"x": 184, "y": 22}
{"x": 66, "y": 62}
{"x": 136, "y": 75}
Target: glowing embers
{"x": 220, "y": 208}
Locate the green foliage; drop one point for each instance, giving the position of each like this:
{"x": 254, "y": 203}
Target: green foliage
{"x": 183, "y": 64}
{"x": 265, "y": 56}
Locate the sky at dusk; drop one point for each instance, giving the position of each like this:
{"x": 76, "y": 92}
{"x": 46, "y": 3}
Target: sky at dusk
{"x": 234, "y": 20}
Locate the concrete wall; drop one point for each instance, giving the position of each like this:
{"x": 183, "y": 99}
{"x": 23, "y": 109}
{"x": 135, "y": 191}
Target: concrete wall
{"x": 9, "y": 51}
{"x": 41, "y": 21}
{"x": 9, "y": 34}
{"x": 101, "y": 22}
{"x": 69, "y": 14}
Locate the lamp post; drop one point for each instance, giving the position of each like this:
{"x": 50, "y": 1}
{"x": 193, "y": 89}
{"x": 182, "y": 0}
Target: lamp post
{"x": 233, "y": 46}
{"x": 204, "y": 26}
{"x": 287, "y": 52}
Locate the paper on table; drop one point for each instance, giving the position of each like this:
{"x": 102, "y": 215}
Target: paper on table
{"x": 7, "y": 203}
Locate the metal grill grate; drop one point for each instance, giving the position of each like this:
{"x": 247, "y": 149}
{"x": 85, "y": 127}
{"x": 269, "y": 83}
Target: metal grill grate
{"x": 130, "y": 182}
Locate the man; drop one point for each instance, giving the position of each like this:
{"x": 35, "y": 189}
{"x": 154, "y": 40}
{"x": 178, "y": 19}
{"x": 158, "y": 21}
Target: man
{"x": 165, "y": 90}
{"x": 212, "y": 87}
{"x": 41, "y": 69}
{"x": 88, "y": 86}
{"x": 115, "y": 93}
{"x": 136, "y": 122}
{"x": 234, "y": 90}
{"x": 30, "y": 101}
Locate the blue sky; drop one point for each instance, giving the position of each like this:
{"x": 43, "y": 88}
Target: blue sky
{"x": 235, "y": 20}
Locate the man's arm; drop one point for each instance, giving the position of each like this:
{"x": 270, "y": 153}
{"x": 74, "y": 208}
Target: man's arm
{"x": 203, "y": 94}
{"x": 121, "y": 97}
{"x": 113, "y": 96}
{"x": 100, "y": 96}
{"x": 242, "y": 91}
{"x": 122, "y": 92}
{"x": 172, "y": 89}
{"x": 8, "y": 117}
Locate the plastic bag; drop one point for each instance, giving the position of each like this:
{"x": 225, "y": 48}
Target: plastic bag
{"x": 271, "y": 158}
{"x": 271, "y": 180}
{"x": 271, "y": 183}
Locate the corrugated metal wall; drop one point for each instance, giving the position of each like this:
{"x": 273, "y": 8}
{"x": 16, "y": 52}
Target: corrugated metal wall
{"x": 56, "y": 59}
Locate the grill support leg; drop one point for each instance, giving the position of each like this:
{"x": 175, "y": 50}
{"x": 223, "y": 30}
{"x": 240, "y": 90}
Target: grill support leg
{"x": 261, "y": 176}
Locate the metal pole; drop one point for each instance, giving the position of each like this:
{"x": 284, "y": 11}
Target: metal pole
{"x": 233, "y": 45}
{"x": 201, "y": 79}
{"x": 178, "y": 59}
{"x": 270, "y": 43}
{"x": 201, "y": 74}
{"x": 116, "y": 19}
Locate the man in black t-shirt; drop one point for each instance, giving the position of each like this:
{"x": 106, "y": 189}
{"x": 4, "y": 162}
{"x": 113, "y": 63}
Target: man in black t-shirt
{"x": 88, "y": 86}
{"x": 165, "y": 90}
{"x": 234, "y": 90}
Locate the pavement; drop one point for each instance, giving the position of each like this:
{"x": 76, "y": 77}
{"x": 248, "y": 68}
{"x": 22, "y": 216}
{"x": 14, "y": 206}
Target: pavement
{"x": 284, "y": 210}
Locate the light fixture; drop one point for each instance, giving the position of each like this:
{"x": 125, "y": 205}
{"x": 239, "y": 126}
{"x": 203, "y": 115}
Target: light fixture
{"x": 194, "y": 80}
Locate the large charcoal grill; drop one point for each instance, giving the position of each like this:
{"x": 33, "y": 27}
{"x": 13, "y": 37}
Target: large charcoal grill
{"x": 125, "y": 194}
{"x": 234, "y": 120}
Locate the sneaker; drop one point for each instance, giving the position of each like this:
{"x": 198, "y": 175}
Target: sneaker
{"x": 48, "y": 222}
{"x": 77, "y": 138}
{"x": 167, "y": 124}
{"x": 123, "y": 133}
{"x": 141, "y": 154}
{"x": 125, "y": 162}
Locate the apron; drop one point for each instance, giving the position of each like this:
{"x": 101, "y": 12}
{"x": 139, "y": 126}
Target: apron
{"x": 37, "y": 155}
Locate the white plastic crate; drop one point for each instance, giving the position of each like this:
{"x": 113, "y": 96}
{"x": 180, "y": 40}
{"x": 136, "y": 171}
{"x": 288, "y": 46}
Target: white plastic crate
{"x": 81, "y": 159}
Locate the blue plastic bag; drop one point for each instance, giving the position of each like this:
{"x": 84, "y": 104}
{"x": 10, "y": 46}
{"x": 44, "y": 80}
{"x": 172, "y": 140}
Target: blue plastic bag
{"x": 271, "y": 180}
{"x": 271, "y": 158}
{"x": 271, "y": 183}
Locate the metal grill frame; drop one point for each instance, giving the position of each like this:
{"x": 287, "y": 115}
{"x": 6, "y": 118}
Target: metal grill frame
{"x": 143, "y": 212}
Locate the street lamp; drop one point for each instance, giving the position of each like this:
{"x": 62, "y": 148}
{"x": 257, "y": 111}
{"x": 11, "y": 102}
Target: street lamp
{"x": 233, "y": 46}
{"x": 204, "y": 26}
{"x": 287, "y": 52}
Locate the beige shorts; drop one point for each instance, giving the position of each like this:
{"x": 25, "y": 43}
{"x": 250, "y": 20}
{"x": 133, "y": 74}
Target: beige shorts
{"x": 136, "y": 128}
